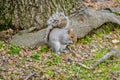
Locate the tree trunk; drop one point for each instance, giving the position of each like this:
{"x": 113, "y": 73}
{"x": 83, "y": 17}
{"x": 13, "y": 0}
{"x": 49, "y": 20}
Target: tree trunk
{"x": 34, "y": 13}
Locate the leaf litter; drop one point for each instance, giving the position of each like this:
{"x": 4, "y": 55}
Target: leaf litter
{"x": 43, "y": 64}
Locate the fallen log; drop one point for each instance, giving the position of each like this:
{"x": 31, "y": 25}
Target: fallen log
{"x": 82, "y": 23}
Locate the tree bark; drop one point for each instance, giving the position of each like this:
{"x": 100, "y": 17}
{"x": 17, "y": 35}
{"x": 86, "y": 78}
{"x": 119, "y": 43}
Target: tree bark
{"x": 24, "y": 14}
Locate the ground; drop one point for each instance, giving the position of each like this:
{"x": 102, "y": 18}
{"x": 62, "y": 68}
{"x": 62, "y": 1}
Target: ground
{"x": 19, "y": 62}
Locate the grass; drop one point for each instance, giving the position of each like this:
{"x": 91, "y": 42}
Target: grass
{"x": 56, "y": 58}
{"x": 86, "y": 39}
{"x": 100, "y": 53}
{"x": 35, "y": 57}
{"x": 50, "y": 72}
{"x": 43, "y": 49}
{"x": 1, "y": 45}
{"x": 14, "y": 50}
{"x": 105, "y": 29}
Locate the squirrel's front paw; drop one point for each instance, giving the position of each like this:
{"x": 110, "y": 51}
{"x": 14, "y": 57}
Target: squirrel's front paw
{"x": 66, "y": 51}
{"x": 58, "y": 53}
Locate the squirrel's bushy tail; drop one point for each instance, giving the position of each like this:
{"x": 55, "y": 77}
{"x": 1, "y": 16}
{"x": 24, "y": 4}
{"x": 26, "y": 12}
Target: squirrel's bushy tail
{"x": 57, "y": 20}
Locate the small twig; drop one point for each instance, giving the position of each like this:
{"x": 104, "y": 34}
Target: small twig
{"x": 74, "y": 52}
{"x": 86, "y": 67}
{"x": 105, "y": 60}
{"x": 29, "y": 76}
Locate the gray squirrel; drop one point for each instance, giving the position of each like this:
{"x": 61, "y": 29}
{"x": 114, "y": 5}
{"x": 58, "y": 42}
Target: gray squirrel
{"x": 58, "y": 34}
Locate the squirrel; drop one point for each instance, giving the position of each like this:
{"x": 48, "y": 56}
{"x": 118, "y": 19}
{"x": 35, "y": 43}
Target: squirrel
{"x": 58, "y": 34}
{"x": 57, "y": 20}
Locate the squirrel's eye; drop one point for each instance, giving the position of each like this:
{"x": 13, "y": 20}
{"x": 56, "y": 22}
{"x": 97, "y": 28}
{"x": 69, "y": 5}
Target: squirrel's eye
{"x": 72, "y": 37}
{"x": 51, "y": 20}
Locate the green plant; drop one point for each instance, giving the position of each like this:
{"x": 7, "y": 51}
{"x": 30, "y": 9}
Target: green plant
{"x": 86, "y": 40}
{"x": 118, "y": 13}
{"x": 107, "y": 29}
{"x": 100, "y": 53}
{"x": 36, "y": 57}
{"x": 50, "y": 72}
{"x": 23, "y": 59}
{"x": 43, "y": 49}
{"x": 99, "y": 33}
{"x": 14, "y": 49}
{"x": 49, "y": 63}
{"x": 56, "y": 58}
{"x": 1, "y": 45}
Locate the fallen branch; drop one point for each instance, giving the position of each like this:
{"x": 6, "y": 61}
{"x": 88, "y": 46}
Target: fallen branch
{"x": 86, "y": 67}
{"x": 114, "y": 52}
